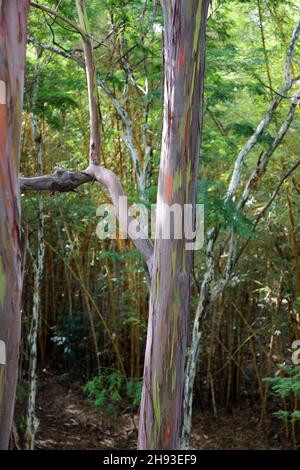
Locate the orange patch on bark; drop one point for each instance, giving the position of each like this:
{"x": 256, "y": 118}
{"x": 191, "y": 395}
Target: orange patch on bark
{"x": 181, "y": 58}
{"x": 168, "y": 188}
{"x": 167, "y": 434}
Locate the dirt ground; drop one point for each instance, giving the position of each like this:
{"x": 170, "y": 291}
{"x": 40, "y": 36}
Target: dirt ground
{"x": 69, "y": 420}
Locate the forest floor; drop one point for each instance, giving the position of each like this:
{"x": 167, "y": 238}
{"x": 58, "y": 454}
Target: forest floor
{"x": 69, "y": 420}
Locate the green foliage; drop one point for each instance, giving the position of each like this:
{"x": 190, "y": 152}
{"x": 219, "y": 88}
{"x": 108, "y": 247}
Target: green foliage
{"x": 111, "y": 388}
{"x": 56, "y": 93}
{"x": 134, "y": 391}
{"x": 21, "y": 393}
{"x": 21, "y": 424}
{"x": 287, "y": 386}
{"x": 70, "y": 335}
{"x": 219, "y": 210}
{"x": 242, "y": 129}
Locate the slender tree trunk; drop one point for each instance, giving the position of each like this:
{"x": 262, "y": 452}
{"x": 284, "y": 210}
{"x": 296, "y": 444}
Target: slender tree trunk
{"x": 13, "y": 29}
{"x": 184, "y": 53}
{"x": 32, "y": 421}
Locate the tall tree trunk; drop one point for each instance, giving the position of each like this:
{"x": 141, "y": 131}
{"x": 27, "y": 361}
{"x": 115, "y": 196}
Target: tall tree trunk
{"x": 13, "y": 29}
{"x": 184, "y": 54}
{"x": 32, "y": 421}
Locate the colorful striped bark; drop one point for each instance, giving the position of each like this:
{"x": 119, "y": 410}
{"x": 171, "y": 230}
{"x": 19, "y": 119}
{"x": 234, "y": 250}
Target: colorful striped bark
{"x": 184, "y": 54}
{"x": 13, "y": 30}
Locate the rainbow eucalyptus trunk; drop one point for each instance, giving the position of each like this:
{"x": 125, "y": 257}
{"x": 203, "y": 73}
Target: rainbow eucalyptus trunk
{"x": 184, "y": 54}
{"x": 13, "y": 29}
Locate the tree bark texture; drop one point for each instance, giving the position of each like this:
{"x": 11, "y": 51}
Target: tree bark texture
{"x": 184, "y": 56}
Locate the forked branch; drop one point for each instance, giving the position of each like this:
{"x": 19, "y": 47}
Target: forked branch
{"x": 63, "y": 180}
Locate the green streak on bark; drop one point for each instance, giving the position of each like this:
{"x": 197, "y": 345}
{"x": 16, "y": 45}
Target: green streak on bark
{"x": 196, "y": 58}
{"x": 174, "y": 377}
{"x": 175, "y": 325}
{"x": 82, "y": 15}
{"x": 193, "y": 84}
{"x": 177, "y": 182}
{"x": 173, "y": 259}
{"x": 2, "y": 283}
{"x": 188, "y": 180}
{"x": 156, "y": 401}
{"x": 182, "y": 125}
{"x": 197, "y": 27}
{"x": 184, "y": 261}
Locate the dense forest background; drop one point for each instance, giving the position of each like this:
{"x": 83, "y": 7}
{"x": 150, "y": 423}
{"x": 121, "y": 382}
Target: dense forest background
{"x": 94, "y": 295}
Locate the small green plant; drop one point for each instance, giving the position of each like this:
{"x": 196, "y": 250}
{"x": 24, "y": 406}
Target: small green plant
{"x": 110, "y": 389}
{"x": 21, "y": 424}
{"x": 70, "y": 335}
{"x": 21, "y": 392}
{"x": 287, "y": 387}
{"x": 134, "y": 391}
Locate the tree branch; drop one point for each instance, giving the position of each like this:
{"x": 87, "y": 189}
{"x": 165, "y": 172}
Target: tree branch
{"x": 288, "y": 82}
{"x": 60, "y": 181}
{"x": 263, "y": 211}
{"x": 128, "y": 126}
{"x": 263, "y": 160}
{"x": 55, "y": 13}
{"x": 290, "y": 53}
{"x": 91, "y": 77}
{"x": 64, "y": 180}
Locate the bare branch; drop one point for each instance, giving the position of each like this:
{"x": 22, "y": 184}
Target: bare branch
{"x": 112, "y": 183}
{"x": 263, "y": 160}
{"x": 51, "y": 12}
{"x": 266, "y": 207}
{"x": 236, "y": 175}
{"x": 128, "y": 126}
{"x": 91, "y": 76}
{"x": 63, "y": 180}
{"x": 60, "y": 181}
{"x": 60, "y": 16}
{"x": 275, "y": 193}
{"x": 290, "y": 53}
